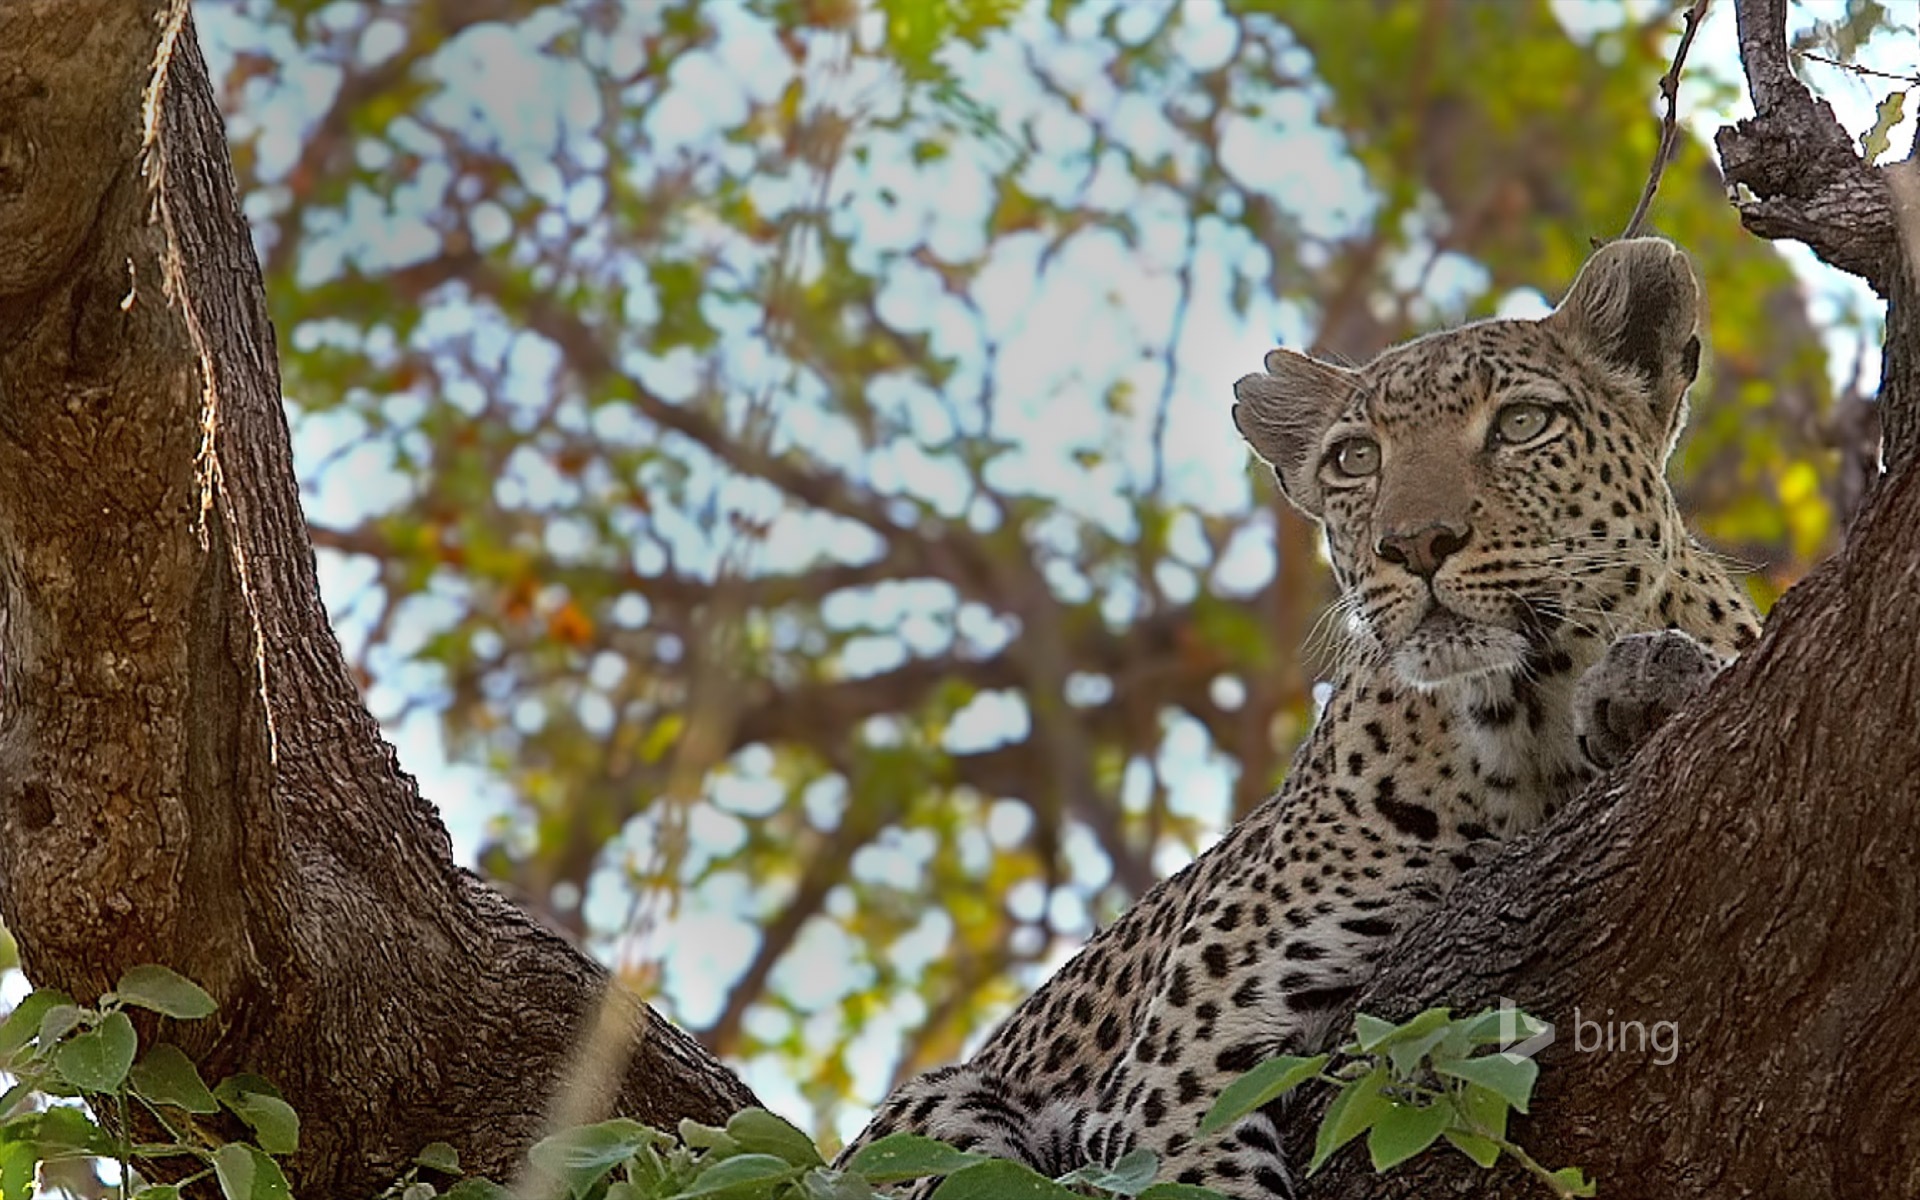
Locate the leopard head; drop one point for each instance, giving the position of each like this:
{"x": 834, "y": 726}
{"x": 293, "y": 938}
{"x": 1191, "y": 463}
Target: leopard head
{"x": 1495, "y": 490}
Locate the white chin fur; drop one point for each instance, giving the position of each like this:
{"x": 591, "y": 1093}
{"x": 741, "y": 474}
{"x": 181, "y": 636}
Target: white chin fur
{"x": 1432, "y": 657}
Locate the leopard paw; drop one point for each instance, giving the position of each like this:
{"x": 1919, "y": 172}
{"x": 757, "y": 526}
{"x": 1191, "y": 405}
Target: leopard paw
{"x": 1642, "y": 680}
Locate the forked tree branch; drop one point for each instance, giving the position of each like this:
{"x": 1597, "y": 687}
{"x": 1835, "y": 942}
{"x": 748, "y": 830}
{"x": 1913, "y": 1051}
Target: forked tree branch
{"x": 1805, "y": 180}
{"x": 1803, "y": 175}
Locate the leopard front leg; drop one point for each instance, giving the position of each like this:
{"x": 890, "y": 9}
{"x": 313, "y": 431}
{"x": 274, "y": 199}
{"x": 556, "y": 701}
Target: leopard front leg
{"x": 1244, "y": 982}
{"x": 1642, "y": 680}
{"x": 1157, "y": 1105}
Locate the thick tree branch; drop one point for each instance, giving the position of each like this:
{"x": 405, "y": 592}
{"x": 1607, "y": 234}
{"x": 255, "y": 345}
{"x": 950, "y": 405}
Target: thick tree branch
{"x": 186, "y": 772}
{"x": 1803, "y": 170}
{"x": 1900, "y": 355}
{"x": 1810, "y": 183}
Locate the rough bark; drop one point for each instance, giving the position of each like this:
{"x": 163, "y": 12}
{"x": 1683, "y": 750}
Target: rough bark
{"x": 1754, "y": 875}
{"x": 1805, "y": 181}
{"x": 187, "y": 775}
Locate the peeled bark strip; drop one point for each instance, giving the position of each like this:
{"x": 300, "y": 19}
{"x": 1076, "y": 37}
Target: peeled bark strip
{"x": 187, "y": 775}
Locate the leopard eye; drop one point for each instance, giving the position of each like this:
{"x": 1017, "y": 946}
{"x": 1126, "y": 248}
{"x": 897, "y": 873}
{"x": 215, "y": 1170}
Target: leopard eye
{"x": 1519, "y": 423}
{"x": 1355, "y": 458}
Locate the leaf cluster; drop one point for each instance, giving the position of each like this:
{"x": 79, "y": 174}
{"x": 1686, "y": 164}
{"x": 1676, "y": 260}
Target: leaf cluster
{"x": 759, "y": 1156}
{"x": 82, "y": 1086}
{"x": 1403, "y": 1086}
{"x": 1408, "y": 1086}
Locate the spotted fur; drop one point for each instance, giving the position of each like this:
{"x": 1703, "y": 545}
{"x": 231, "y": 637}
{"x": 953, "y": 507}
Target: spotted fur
{"x": 1497, "y": 515}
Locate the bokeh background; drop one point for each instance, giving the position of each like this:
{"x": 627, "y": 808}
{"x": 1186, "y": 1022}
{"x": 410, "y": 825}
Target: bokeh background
{"x": 770, "y": 459}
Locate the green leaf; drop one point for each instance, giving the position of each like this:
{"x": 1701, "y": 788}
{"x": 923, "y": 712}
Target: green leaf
{"x": 652, "y": 1173}
{"x": 18, "y": 1162}
{"x": 1494, "y": 1027}
{"x": 705, "y": 1137}
{"x": 742, "y": 1177}
{"x": 1506, "y": 1075}
{"x": 158, "y": 1191}
{"x": 678, "y": 288}
{"x": 1484, "y": 1110}
{"x": 12, "y": 1098}
{"x": 1266, "y": 1082}
{"x": 165, "y": 1075}
{"x": 1370, "y": 1031}
{"x": 1486, "y": 1024}
{"x": 902, "y": 1156}
{"x": 233, "y": 1167}
{"x": 1180, "y": 1191}
{"x": 164, "y": 991}
{"x": 247, "y": 1081}
{"x": 1488, "y": 1027}
{"x": 1475, "y": 1147}
{"x": 269, "y": 1182}
{"x": 1886, "y": 115}
{"x": 1404, "y": 1131}
{"x": 580, "y": 1157}
{"x": 245, "y": 1173}
{"x": 760, "y": 1132}
{"x": 1482, "y": 1028}
{"x": 1404, "y": 1056}
{"x": 272, "y": 1119}
{"x": 823, "y": 1184}
{"x": 62, "y": 1129}
{"x": 1126, "y": 1177}
{"x": 999, "y": 1179}
{"x": 439, "y": 1156}
{"x": 1375, "y": 1033}
{"x": 1572, "y": 1181}
{"x": 97, "y": 1060}
{"x": 23, "y": 1023}
{"x": 1359, "y": 1104}
{"x": 56, "y": 1023}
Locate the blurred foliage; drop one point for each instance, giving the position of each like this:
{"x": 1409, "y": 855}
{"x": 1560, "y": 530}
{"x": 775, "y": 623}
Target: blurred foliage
{"x": 784, "y": 443}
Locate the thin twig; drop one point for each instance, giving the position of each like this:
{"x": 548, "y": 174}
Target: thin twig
{"x": 1856, "y": 68}
{"x": 1669, "y": 124}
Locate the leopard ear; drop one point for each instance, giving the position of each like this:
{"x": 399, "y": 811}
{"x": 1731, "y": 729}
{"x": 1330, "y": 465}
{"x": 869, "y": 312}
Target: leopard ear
{"x": 1283, "y": 411}
{"x": 1637, "y": 305}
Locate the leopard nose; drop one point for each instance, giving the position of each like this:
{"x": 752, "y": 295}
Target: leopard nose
{"x": 1423, "y": 550}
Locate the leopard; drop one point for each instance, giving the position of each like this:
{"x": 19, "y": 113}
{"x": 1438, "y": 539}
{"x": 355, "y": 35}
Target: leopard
{"x": 1522, "y": 608}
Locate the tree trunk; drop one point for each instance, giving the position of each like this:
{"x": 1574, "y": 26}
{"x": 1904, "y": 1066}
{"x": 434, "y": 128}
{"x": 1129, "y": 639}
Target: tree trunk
{"x": 187, "y": 775}
{"x": 1753, "y": 877}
